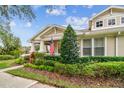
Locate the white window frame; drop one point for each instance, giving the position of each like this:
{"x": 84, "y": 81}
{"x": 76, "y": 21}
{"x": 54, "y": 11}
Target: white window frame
{"x": 99, "y": 26}
{"x": 87, "y": 47}
{"x": 111, "y": 19}
{"x": 99, "y": 46}
{"x": 121, "y": 20}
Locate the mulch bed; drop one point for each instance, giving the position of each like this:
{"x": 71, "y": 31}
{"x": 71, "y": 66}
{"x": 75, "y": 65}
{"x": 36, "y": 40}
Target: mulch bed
{"x": 82, "y": 81}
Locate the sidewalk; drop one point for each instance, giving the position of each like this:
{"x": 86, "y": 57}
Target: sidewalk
{"x": 11, "y": 81}
{"x": 11, "y": 68}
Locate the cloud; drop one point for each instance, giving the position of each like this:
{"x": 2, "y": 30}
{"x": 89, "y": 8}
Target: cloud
{"x": 28, "y": 24}
{"x": 57, "y": 10}
{"x": 77, "y": 22}
{"x": 12, "y": 24}
{"x": 87, "y": 6}
{"x": 93, "y": 14}
{"x": 36, "y": 6}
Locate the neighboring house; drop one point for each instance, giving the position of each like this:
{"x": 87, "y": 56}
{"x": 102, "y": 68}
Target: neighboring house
{"x": 104, "y": 37}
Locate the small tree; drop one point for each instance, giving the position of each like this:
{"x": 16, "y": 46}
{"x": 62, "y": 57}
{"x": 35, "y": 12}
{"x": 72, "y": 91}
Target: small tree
{"x": 69, "y": 47}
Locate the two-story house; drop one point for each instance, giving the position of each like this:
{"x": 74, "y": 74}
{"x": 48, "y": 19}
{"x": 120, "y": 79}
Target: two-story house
{"x": 104, "y": 37}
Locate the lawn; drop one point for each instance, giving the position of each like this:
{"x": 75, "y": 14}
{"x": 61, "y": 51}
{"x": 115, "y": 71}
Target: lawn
{"x": 63, "y": 81}
{"x": 6, "y": 63}
{"x": 42, "y": 78}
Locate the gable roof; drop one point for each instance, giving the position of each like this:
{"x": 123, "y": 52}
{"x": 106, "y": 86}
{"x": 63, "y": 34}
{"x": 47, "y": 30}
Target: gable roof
{"x": 48, "y": 27}
{"x": 111, "y": 7}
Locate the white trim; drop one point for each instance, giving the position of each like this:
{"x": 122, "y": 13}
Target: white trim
{"x": 121, "y": 20}
{"x": 105, "y": 48}
{"x": 111, "y": 19}
{"x": 41, "y": 46}
{"x": 116, "y": 46}
{"x": 99, "y": 21}
{"x": 32, "y": 47}
{"x": 114, "y": 26}
{"x": 118, "y": 7}
{"x": 81, "y": 48}
{"x": 92, "y": 40}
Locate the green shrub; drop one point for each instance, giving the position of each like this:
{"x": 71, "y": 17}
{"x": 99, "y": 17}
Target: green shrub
{"x": 6, "y": 57}
{"x": 54, "y": 58}
{"x": 69, "y": 69}
{"x": 109, "y": 69}
{"x": 69, "y": 47}
{"x": 100, "y": 59}
{"x": 49, "y": 63}
{"x": 40, "y": 67}
{"x": 88, "y": 59}
{"x": 15, "y": 53}
{"x": 39, "y": 55}
{"x": 20, "y": 61}
{"x": 39, "y": 61}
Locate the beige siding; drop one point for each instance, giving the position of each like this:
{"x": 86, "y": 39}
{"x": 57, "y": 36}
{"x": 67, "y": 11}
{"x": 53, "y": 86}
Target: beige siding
{"x": 111, "y": 46}
{"x": 121, "y": 46}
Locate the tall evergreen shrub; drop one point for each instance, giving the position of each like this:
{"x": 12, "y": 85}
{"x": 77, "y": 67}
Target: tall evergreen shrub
{"x": 69, "y": 47}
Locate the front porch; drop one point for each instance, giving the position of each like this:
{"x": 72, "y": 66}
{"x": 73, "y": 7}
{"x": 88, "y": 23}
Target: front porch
{"x": 44, "y": 46}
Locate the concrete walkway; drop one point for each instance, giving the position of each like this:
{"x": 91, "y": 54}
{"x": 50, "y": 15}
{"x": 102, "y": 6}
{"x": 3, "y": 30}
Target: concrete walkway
{"x": 11, "y": 68}
{"x": 11, "y": 81}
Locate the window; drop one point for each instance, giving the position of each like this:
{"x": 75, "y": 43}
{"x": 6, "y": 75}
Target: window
{"x": 87, "y": 47}
{"x": 99, "y": 47}
{"x": 111, "y": 22}
{"x": 122, "y": 20}
{"x": 99, "y": 24}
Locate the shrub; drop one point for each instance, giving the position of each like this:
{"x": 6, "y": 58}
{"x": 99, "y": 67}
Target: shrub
{"x": 39, "y": 61}
{"x": 15, "y": 53}
{"x": 69, "y": 48}
{"x": 39, "y": 55}
{"x": 20, "y": 61}
{"x": 69, "y": 69}
{"x": 49, "y": 62}
{"x": 88, "y": 59}
{"x": 54, "y": 58}
{"x": 100, "y": 59}
{"x": 40, "y": 67}
{"x": 109, "y": 69}
{"x": 6, "y": 57}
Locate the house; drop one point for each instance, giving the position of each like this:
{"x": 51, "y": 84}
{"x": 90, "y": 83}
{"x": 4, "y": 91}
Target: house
{"x": 103, "y": 37}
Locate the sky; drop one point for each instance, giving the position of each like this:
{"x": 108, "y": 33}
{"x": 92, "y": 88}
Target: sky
{"x": 77, "y": 16}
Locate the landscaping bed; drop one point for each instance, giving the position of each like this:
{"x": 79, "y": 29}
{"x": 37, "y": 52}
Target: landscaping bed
{"x": 58, "y": 80}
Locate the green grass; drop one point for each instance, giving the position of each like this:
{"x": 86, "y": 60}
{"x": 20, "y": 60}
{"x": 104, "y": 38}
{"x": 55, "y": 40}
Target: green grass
{"x": 41, "y": 78}
{"x": 6, "y": 63}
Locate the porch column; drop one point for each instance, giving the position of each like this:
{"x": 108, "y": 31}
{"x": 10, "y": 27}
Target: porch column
{"x": 81, "y": 48}
{"x": 32, "y": 47}
{"x": 92, "y": 46}
{"x": 116, "y": 46}
{"x": 41, "y": 46}
{"x": 105, "y": 51}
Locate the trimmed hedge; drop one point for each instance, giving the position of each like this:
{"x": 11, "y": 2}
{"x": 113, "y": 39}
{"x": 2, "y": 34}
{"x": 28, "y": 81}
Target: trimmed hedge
{"x": 54, "y": 58}
{"x": 100, "y": 59}
{"x": 89, "y": 59}
{"x": 40, "y": 67}
{"x": 6, "y": 57}
{"x": 109, "y": 69}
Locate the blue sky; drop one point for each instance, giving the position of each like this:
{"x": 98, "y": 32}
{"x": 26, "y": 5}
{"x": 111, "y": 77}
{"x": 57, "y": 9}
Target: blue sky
{"x": 77, "y": 16}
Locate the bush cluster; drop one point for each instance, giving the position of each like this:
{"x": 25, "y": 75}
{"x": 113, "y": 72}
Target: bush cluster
{"x": 6, "y": 57}
{"x": 109, "y": 69}
{"x": 21, "y": 60}
{"x": 44, "y": 62}
{"x": 54, "y": 58}
{"x": 40, "y": 67}
{"x": 88, "y": 59}
{"x": 100, "y": 59}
